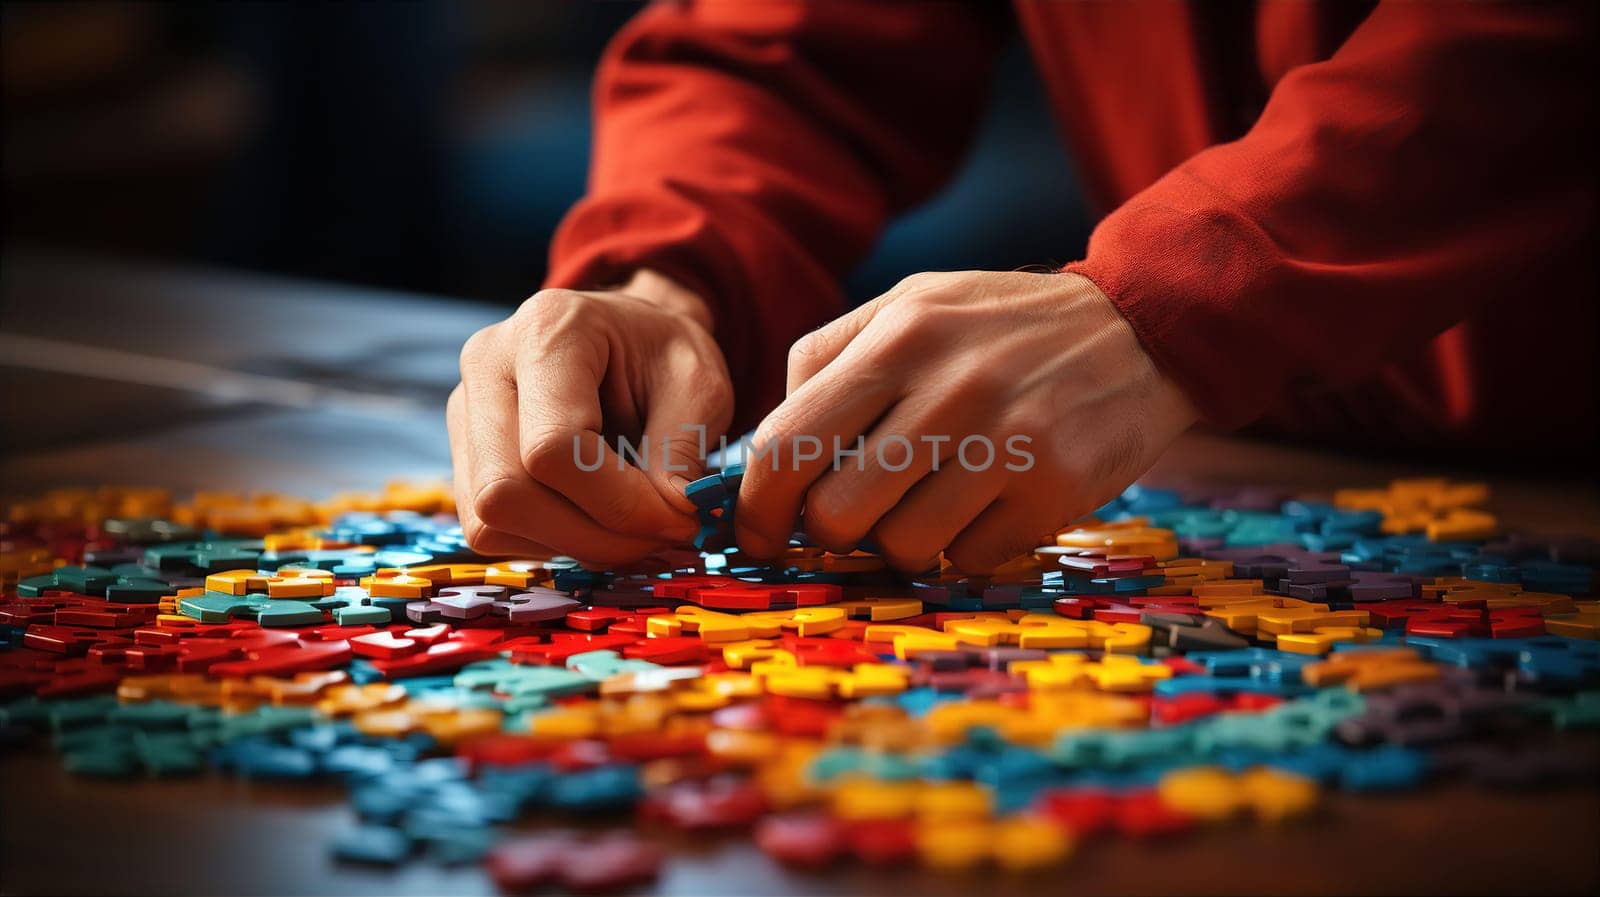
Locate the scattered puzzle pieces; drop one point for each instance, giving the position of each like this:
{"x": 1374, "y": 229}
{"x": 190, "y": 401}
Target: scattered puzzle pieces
{"x": 1177, "y": 660}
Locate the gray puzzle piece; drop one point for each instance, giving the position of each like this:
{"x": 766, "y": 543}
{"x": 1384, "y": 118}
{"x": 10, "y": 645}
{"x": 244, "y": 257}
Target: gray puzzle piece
{"x": 536, "y": 605}
{"x": 467, "y": 602}
{"x": 1185, "y": 632}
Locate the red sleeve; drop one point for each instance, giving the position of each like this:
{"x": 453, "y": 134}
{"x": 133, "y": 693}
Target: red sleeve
{"x": 753, "y": 152}
{"x": 1432, "y": 164}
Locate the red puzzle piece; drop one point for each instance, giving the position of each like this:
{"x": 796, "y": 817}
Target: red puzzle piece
{"x": 563, "y": 645}
{"x": 682, "y": 649}
{"x": 812, "y": 840}
{"x": 285, "y": 659}
{"x": 464, "y": 647}
{"x": 701, "y": 806}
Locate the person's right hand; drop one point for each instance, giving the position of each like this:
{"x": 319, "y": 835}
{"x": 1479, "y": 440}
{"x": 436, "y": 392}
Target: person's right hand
{"x": 553, "y": 385}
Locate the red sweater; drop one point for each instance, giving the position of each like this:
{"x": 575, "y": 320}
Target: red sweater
{"x": 1364, "y": 223}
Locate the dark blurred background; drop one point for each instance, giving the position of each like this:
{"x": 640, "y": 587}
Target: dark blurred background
{"x": 425, "y": 146}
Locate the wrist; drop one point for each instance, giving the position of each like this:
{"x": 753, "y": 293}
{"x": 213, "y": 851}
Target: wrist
{"x": 671, "y": 296}
{"x": 1168, "y": 400}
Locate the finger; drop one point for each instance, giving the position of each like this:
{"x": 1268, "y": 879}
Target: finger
{"x": 933, "y": 513}
{"x": 795, "y": 445}
{"x": 1005, "y": 530}
{"x": 455, "y": 416}
{"x": 688, "y": 409}
{"x": 559, "y": 422}
{"x": 482, "y": 539}
{"x": 493, "y": 543}
{"x": 501, "y": 495}
{"x": 455, "y": 421}
{"x": 812, "y": 352}
{"x": 919, "y": 436}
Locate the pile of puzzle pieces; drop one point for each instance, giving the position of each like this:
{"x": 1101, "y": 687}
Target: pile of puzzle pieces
{"x": 1177, "y": 660}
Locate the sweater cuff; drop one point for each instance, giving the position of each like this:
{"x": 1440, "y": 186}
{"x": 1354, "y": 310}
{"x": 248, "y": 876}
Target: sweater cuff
{"x": 762, "y": 293}
{"x": 602, "y": 243}
{"x": 1190, "y": 282}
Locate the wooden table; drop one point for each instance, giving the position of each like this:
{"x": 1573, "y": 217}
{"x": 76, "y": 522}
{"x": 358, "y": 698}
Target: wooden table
{"x": 348, "y": 393}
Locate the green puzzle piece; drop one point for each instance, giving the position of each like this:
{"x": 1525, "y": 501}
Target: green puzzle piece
{"x": 220, "y": 607}
{"x": 351, "y": 606}
{"x": 93, "y": 738}
{"x": 168, "y": 753}
{"x": 264, "y": 720}
{"x": 215, "y": 607}
{"x": 103, "y": 762}
{"x": 81, "y": 580}
{"x": 205, "y": 557}
{"x": 27, "y": 713}
{"x": 598, "y": 665}
{"x": 525, "y": 686}
{"x": 286, "y": 613}
{"x": 1581, "y": 711}
{"x": 358, "y": 615}
{"x": 842, "y": 761}
{"x": 153, "y": 715}
{"x": 80, "y": 712}
{"x": 137, "y": 590}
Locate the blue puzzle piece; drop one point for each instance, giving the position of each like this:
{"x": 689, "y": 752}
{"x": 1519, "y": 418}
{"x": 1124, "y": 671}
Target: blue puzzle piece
{"x": 1262, "y": 665}
{"x": 707, "y": 492}
{"x": 610, "y": 787}
{"x": 379, "y": 845}
{"x": 526, "y": 785}
{"x": 1384, "y": 768}
{"x": 1545, "y": 660}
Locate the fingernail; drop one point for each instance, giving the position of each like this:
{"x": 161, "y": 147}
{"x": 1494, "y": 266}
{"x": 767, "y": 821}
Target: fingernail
{"x": 679, "y": 482}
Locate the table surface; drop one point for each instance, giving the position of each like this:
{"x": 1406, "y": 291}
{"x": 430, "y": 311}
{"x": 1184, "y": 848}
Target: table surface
{"x": 119, "y": 373}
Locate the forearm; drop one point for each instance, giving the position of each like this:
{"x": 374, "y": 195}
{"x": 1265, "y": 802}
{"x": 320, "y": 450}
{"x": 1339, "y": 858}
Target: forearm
{"x": 753, "y": 152}
{"x": 1426, "y": 169}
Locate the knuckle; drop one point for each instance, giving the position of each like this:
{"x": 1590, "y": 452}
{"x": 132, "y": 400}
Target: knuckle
{"x": 979, "y": 382}
{"x": 715, "y": 390}
{"x": 682, "y": 450}
{"x": 550, "y": 315}
{"x": 970, "y": 559}
{"x": 1014, "y": 546}
{"x": 919, "y": 281}
{"x": 829, "y": 520}
{"x": 551, "y": 305}
{"x": 807, "y": 350}
{"x": 496, "y": 505}
{"x": 982, "y": 557}
{"x": 478, "y": 348}
{"x": 961, "y": 559}
{"x": 454, "y": 407}
{"x": 916, "y": 319}
{"x": 904, "y": 550}
{"x": 544, "y": 450}
{"x": 776, "y": 429}
{"x": 476, "y": 533}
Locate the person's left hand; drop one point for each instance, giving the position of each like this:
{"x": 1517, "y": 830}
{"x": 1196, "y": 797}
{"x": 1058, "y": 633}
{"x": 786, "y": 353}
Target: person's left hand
{"x": 1041, "y": 368}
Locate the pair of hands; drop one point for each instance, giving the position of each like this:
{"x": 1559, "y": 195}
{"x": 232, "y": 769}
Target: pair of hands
{"x": 1042, "y": 366}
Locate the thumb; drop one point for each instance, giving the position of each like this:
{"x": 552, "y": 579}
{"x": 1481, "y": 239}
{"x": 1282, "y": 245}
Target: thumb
{"x": 687, "y": 415}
